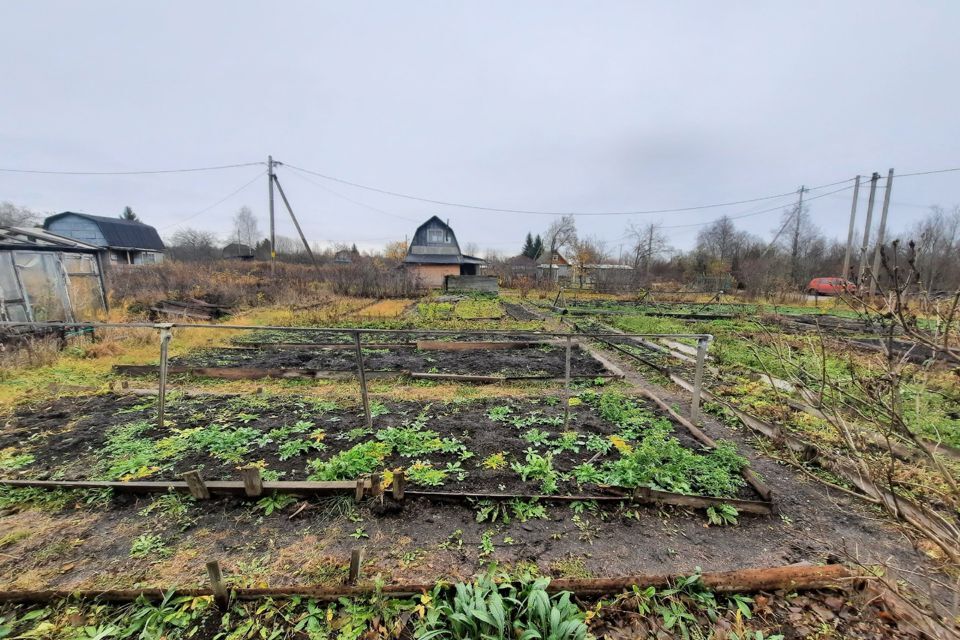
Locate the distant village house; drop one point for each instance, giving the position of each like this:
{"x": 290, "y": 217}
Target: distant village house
{"x": 121, "y": 241}
{"x": 435, "y": 254}
{"x": 238, "y": 251}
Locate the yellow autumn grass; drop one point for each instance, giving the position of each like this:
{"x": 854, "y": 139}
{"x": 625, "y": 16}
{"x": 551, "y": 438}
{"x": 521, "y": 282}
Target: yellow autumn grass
{"x": 393, "y": 308}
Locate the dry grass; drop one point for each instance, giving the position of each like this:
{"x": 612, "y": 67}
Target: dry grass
{"x": 386, "y": 308}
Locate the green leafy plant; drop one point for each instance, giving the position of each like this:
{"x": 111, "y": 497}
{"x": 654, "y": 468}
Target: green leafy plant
{"x": 723, "y": 514}
{"x": 538, "y": 467}
{"x": 149, "y": 545}
{"x": 292, "y": 448}
{"x": 598, "y": 444}
{"x": 360, "y": 459}
{"x": 423, "y": 473}
{"x": 500, "y": 413}
{"x": 275, "y": 502}
{"x": 536, "y": 436}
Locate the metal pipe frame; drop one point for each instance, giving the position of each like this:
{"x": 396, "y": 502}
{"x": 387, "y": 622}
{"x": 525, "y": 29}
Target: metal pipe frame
{"x": 346, "y": 330}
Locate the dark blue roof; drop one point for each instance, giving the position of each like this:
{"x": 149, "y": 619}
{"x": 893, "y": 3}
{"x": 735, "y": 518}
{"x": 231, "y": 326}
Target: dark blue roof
{"x": 119, "y": 234}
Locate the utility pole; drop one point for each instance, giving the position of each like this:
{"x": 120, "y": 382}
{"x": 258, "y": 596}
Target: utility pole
{"x": 303, "y": 238}
{"x": 795, "y": 245}
{"x": 880, "y": 231}
{"x": 864, "y": 245}
{"x": 853, "y": 220}
{"x": 273, "y": 237}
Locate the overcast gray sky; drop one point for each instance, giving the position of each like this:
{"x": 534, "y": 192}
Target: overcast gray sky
{"x": 583, "y": 106}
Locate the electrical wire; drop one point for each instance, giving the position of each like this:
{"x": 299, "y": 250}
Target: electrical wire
{"x": 298, "y": 174}
{"x": 754, "y": 213}
{"x": 132, "y": 173}
{"x": 925, "y": 173}
{"x": 221, "y": 200}
{"x": 552, "y": 213}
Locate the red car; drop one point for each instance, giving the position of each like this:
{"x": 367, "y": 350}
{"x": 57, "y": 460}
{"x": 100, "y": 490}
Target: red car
{"x": 830, "y": 287}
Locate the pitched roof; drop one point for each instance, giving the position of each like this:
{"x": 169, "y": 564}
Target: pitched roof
{"x": 39, "y": 239}
{"x": 424, "y": 251}
{"x": 119, "y": 234}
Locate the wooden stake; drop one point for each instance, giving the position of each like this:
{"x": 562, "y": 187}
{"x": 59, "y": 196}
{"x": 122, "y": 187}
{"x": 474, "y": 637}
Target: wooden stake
{"x": 195, "y": 483}
{"x": 356, "y": 559}
{"x": 376, "y": 487}
{"x": 399, "y": 483}
{"x": 361, "y": 486}
{"x": 220, "y": 595}
{"x": 252, "y": 483}
{"x": 363, "y": 380}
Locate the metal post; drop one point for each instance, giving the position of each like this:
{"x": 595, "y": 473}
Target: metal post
{"x": 273, "y": 237}
{"x": 363, "y": 380}
{"x": 881, "y": 231}
{"x": 165, "y": 336}
{"x": 566, "y": 385}
{"x": 853, "y": 221}
{"x": 865, "y": 244}
{"x": 702, "y": 344}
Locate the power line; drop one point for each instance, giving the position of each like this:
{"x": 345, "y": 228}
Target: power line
{"x": 221, "y": 200}
{"x": 299, "y": 175}
{"x": 131, "y": 173}
{"x": 926, "y": 173}
{"x": 551, "y": 213}
{"x": 754, "y": 213}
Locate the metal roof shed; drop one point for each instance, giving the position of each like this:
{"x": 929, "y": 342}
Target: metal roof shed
{"x": 48, "y": 278}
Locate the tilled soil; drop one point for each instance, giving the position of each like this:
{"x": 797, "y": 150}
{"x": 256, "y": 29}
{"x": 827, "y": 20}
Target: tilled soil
{"x": 542, "y": 360}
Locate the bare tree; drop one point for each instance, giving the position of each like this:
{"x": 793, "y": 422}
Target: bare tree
{"x": 245, "y": 227}
{"x": 937, "y": 246}
{"x": 561, "y": 233}
{"x": 649, "y": 241}
{"x": 13, "y": 216}
{"x": 193, "y": 245}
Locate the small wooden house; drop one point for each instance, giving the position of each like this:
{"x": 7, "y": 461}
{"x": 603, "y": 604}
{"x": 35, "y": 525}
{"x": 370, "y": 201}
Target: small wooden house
{"x": 434, "y": 253}
{"x": 120, "y": 241}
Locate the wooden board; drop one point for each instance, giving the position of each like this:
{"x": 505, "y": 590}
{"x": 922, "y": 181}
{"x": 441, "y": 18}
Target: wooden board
{"x": 441, "y": 345}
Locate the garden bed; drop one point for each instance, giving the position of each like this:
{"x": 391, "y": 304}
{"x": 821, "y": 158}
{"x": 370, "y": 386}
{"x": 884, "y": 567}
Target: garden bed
{"x": 490, "y": 446}
{"x": 535, "y": 360}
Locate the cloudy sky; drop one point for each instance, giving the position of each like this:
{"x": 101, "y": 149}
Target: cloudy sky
{"x": 542, "y": 106}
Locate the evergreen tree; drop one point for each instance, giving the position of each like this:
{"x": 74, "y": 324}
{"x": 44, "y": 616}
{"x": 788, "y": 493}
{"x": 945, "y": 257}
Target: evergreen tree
{"x": 528, "y": 247}
{"x": 128, "y": 214}
{"x": 537, "y": 247}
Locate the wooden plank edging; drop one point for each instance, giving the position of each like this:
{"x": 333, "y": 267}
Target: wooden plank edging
{"x": 795, "y": 577}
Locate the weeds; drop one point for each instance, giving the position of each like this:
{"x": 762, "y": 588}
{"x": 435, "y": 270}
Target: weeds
{"x": 147, "y": 545}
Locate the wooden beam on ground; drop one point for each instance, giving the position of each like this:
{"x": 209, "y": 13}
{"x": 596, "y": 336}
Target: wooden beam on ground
{"x": 489, "y": 345}
{"x": 228, "y": 487}
{"x": 796, "y": 577}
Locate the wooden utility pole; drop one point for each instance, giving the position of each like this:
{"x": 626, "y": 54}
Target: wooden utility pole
{"x": 795, "y": 244}
{"x": 881, "y": 231}
{"x": 853, "y": 221}
{"x": 273, "y": 237}
{"x": 865, "y": 244}
{"x": 303, "y": 238}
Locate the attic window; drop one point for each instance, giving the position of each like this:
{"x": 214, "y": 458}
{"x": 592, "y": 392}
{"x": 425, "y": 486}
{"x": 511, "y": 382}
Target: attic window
{"x": 435, "y": 235}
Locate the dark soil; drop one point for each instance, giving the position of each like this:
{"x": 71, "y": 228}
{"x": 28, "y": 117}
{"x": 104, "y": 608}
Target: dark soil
{"x": 67, "y": 438}
{"x": 531, "y": 361}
